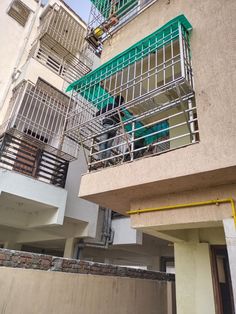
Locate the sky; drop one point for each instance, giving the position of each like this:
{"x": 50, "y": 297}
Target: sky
{"x": 81, "y": 7}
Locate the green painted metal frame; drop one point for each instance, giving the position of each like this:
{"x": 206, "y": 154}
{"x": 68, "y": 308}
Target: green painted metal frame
{"x": 105, "y": 6}
{"x": 138, "y": 51}
{"x": 151, "y": 43}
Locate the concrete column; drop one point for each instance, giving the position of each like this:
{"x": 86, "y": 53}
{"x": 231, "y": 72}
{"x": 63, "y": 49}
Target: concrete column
{"x": 12, "y": 246}
{"x": 69, "y": 248}
{"x": 230, "y": 237}
{"x": 154, "y": 263}
{"x": 194, "y": 288}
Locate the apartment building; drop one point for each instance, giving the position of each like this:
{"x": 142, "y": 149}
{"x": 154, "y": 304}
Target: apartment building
{"x": 165, "y": 154}
{"x": 43, "y": 50}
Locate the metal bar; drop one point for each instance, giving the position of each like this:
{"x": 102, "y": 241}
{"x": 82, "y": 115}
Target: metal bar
{"x": 184, "y": 111}
{"x": 124, "y": 132}
{"x": 188, "y": 205}
{"x": 181, "y": 51}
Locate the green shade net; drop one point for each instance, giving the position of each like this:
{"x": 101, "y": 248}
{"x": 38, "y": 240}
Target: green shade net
{"x": 121, "y": 7}
{"x": 138, "y": 51}
{"x": 89, "y": 86}
{"x": 161, "y": 129}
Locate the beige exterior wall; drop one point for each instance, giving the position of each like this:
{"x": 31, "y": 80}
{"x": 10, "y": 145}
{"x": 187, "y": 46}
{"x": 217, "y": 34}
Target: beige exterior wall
{"x": 196, "y": 173}
{"x": 60, "y": 293}
{"x": 208, "y": 163}
{"x": 182, "y": 218}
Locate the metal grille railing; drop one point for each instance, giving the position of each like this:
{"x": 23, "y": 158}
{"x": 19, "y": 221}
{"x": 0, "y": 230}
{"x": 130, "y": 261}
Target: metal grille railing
{"x": 60, "y": 31}
{"x": 24, "y": 157}
{"x": 171, "y": 128}
{"x": 69, "y": 68}
{"x": 158, "y": 113}
{"x": 107, "y": 16}
{"x": 39, "y": 112}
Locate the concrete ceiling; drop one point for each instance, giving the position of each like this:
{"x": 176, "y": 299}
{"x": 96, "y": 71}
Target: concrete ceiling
{"x": 121, "y": 199}
{"x": 14, "y": 202}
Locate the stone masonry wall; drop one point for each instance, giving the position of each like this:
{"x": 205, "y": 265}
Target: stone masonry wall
{"x": 20, "y": 259}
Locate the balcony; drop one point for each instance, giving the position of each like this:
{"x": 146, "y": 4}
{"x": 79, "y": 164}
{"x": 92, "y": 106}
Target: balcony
{"x": 108, "y": 16}
{"x": 27, "y": 203}
{"x": 22, "y": 156}
{"x": 37, "y": 115}
{"x": 69, "y": 67}
{"x": 154, "y": 77}
{"x": 60, "y": 31}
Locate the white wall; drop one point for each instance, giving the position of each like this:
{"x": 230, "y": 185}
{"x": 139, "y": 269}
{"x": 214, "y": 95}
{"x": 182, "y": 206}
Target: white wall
{"x": 27, "y": 202}
{"x": 76, "y": 207}
{"x": 194, "y": 287}
{"x": 16, "y": 41}
{"x": 124, "y": 234}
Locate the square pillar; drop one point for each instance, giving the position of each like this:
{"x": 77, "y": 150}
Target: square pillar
{"x": 194, "y": 286}
{"x": 69, "y": 249}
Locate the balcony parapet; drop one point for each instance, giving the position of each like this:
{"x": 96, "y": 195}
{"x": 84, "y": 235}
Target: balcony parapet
{"x": 20, "y": 155}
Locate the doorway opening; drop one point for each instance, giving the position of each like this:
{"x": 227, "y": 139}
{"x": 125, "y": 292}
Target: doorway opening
{"x": 222, "y": 281}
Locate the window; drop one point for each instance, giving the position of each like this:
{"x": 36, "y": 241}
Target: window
{"x": 19, "y": 11}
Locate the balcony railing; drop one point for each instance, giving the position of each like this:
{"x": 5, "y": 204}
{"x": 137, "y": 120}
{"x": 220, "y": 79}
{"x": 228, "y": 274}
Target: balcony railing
{"x": 158, "y": 114}
{"x": 24, "y": 157}
{"x": 62, "y": 32}
{"x": 107, "y": 16}
{"x": 37, "y": 113}
{"x": 69, "y": 68}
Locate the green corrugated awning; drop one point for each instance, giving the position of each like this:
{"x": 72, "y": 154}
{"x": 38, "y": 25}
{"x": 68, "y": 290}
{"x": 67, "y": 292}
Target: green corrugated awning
{"x": 105, "y": 6}
{"x": 138, "y": 51}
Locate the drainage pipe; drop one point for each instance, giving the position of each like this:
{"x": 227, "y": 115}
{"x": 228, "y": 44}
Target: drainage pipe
{"x": 107, "y": 236}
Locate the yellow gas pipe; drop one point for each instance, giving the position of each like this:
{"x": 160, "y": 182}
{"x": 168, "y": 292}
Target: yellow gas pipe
{"x": 211, "y": 202}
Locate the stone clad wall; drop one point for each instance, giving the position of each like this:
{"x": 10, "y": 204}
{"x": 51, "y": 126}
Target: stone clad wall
{"x": 19, "y": 259}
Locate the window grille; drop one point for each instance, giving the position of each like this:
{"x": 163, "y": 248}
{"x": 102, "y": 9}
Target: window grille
{"x": 19, "y": 11}
{"x": 158, "y": 114}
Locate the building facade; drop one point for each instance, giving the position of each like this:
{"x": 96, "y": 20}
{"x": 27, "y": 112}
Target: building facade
{"x": 43, "y": 51}
{"x": 165, "y": 155}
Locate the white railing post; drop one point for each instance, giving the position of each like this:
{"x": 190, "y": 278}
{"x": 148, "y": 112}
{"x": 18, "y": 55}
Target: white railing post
{"x": 17, "y": 105}
{"x": 181, "y": 48}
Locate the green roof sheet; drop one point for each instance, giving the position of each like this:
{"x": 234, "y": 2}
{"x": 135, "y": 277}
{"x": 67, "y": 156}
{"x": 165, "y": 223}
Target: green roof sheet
{"x": 138, "y": 51}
